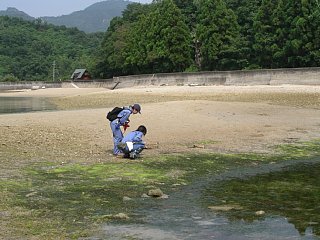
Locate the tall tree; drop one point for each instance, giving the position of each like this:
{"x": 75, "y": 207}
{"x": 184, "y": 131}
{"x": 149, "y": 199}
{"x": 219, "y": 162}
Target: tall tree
{"x": 188, "y": 9}
{"x": 302, "y": 46}
{"x": 265, "y": 38}
{"x": 161, "y": 40}
{"x": 117, "y": 47}
{"x": 287, "y": 33}
{"x": 245, "y": 12}
{"x": 218, "y": 35}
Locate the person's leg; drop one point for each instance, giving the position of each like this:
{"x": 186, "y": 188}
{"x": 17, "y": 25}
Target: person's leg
{"x": 117, "y": 137}
{"x": 123, "y": 147}
{"x": 137, "y": 149}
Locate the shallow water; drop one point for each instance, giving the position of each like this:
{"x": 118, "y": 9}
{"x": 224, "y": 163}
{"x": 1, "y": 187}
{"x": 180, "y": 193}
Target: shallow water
{"x": 24, "y": 104}
{"x": 288, "y": 193}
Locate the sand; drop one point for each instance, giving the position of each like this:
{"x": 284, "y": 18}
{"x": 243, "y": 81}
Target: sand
{"x": 179, "y": 119}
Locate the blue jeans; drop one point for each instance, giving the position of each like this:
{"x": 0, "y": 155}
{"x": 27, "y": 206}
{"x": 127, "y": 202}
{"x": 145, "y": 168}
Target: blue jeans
{"x": 117, "y": 136}
{"x": 137, "y": 147}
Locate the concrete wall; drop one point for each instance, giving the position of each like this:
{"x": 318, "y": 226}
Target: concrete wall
{"x": 296, "y": 76}
{"x": 104, "y": 83}
{"x": 27, "y": 85}
{"x": 97, "y": 83}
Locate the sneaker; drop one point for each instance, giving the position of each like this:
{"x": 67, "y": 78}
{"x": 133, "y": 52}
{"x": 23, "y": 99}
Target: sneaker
{"x": 133, "y": 155}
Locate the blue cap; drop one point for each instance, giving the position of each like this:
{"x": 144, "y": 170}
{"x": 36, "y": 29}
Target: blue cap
{"x": 137, "y": 107}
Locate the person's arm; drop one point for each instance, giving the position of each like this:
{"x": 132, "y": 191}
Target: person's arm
{"x": 138, "y": 137}
{"x": 124, "y": 116}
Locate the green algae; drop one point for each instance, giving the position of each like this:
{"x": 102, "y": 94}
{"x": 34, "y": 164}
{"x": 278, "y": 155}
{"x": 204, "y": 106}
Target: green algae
{"x": 292, "y": 193}
{"x": 75, "y": 198}
{"x": 300, "y": 150}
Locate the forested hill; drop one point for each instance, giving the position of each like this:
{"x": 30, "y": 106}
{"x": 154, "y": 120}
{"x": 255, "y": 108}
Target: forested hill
{"x": 28, "y": 50}
{"x": 169, "y": 36}
{"x": 207, "y": 35}
{"x": 95, "y": 18}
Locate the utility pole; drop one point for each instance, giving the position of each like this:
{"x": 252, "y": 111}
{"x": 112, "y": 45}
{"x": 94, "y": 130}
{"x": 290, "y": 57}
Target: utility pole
{"x": 53, "y": 70}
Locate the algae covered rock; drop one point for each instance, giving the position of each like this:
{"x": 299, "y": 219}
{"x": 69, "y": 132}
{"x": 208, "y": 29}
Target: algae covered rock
{"x": 155, "y": 193}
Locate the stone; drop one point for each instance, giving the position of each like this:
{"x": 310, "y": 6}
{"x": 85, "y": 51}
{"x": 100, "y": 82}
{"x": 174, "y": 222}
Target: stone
{"x": 260, "y": 213}
{"x": 126, "y": 199}
{"x": 121, "y": 216}
{"x": 164, "y": 196}
{"x": 225, "y": 208}
{"x": 155, "y": 192}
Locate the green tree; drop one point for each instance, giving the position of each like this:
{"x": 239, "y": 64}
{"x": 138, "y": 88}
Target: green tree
{"x": 116, "y": 49}
{"x": 147, "y": 39}
{"x": 287, "y": 34}
{"x": 161, "y": 40}
{"x": 28, "y": 49}
{"x": 218, "y": 36}
{"x": 246, "y": 12}
{"x": 265, "y": 38}
{"x": 188, "y": 9}
{"x": 302, "y": 45}
{"x": 9, "y": 78}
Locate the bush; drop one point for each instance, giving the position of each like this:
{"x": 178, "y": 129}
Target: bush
{"x": 192, "y": 68}
{"x": 9, "y": 78}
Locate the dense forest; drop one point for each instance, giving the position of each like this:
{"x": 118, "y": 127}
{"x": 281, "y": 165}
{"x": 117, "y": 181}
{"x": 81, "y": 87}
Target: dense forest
{"x": 208, "y": 35}
{"x": 170, "y": 36}
{"x": 28, "y": 50}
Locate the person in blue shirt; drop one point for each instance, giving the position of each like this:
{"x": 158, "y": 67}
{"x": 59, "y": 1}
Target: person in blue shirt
{"x": 122, "y": 120}
{"x": 132, "y": 144}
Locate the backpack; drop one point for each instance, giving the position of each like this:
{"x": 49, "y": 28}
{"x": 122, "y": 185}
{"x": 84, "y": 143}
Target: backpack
{"x": 113, "y": 114}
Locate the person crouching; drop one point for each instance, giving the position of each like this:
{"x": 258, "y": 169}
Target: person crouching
{"x": 132, "y": 144}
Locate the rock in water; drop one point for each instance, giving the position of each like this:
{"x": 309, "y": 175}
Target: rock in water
{"x": 155, "y": 192}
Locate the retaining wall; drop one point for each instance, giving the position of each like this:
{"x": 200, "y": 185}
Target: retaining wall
{"x": 295, "y": 76}
{"x": 28, "y": 85}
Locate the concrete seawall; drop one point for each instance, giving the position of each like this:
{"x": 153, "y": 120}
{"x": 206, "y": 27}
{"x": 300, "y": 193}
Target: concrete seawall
{"x": 295, "y": 76}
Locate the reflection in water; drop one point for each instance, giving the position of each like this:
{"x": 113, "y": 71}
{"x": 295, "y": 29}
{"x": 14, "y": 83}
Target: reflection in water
{"x": 293, "y": 193}
{"x": 24, "y": 104}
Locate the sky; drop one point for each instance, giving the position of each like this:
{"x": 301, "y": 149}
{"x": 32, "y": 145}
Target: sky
{"x": 41, "y": 8}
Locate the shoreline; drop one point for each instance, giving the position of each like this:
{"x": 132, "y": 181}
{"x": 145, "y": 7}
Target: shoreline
{"x": 179, "y": 119}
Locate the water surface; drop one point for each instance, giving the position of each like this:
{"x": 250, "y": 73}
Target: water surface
{"x": 24, "y": 104}
{"x": 289, "y": 194}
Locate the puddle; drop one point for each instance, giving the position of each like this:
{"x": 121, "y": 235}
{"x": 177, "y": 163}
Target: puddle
{"x": 24, "y": 104}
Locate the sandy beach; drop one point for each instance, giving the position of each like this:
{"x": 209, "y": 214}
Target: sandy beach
{"x": 179, "y": 119}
